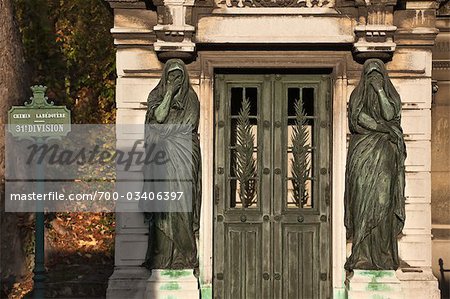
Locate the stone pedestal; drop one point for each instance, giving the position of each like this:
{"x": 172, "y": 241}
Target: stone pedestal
{"x": 127, "y": 282}
{"x": 379, "y": 284}
{"x": 173, "y": 284}
{"x": 419, "y": 283}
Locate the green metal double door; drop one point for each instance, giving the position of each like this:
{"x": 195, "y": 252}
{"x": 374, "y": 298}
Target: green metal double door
{"x": 272, "y": 186}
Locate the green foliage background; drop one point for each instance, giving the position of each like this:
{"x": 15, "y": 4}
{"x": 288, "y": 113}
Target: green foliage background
{"x": 69, "y": 48}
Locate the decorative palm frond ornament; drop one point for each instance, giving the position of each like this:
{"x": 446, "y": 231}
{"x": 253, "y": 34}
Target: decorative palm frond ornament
{"x": 300, "y": 160}
{"x": 245, "y": 167}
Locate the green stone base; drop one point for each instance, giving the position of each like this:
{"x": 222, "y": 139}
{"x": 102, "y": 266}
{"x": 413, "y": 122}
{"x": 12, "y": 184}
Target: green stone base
{"x": 374, "y": 284}
{"x": 339, "y": 293}
{"x": 206, "y": 292}
{"x": 172, "y": 284}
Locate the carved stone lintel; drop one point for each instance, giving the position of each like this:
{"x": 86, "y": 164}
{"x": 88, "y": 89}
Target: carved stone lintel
{"x": 422, "y": 4}
{"x": 133, "y": 37}
{"x": 424, "y": 37}
{"x": 374, "y": 41}
{"x": 186, "y": 56}
{"x": 278, "y": 3}
{"x": 173, "y": 32}
{"x": 174, "y": 41}
{"x": 375, "y": 32}
{"x": 139, "y": 4}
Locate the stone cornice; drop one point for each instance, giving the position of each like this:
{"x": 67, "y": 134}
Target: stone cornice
{"x": 421, "y": 4}
{"x": 133, "y": 37}
{"x": 443, "y": 23}
{"x": 441, "y": 64}
{"x": 416, "y": 37}
{"x": 127, "y": 3}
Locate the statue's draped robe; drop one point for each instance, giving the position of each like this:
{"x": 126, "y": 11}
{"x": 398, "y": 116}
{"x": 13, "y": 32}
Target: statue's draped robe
{"x": 172, "y": 235}
{"x": 375, "y": 178}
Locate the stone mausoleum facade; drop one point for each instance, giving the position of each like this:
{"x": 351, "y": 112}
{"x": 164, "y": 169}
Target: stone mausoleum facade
{"x": 273, "y": 52}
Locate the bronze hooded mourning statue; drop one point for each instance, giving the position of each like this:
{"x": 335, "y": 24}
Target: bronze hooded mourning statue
{"x": 173, "y": 105}
{"x": 375, "y": 172}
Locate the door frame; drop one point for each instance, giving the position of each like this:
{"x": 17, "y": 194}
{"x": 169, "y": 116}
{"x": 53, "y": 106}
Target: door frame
{"x": 339, "y": 63}
{"x": 272, "y": 233}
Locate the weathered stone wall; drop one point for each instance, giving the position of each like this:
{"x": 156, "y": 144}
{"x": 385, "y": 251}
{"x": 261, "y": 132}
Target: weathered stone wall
{"x": 139, "y": 70}
{"x": 440, "y": 148}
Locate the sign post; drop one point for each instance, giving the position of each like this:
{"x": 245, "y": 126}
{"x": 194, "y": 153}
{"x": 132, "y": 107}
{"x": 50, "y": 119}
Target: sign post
{"x": 39, "y": 120}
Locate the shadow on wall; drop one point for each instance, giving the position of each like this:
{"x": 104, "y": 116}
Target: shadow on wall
{"x": 444, "y": 284}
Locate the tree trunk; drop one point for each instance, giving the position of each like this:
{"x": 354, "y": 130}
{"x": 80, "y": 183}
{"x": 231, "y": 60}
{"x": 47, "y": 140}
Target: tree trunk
{"x": 13, "y": 91}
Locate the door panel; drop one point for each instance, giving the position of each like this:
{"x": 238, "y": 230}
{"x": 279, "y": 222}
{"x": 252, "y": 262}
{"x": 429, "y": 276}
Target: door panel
{"x": 300, "y": 244}
{"x": 271, "y": 186}
{"x": 243, "y": 263}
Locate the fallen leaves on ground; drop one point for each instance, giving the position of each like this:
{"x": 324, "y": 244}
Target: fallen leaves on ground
{"x": 81, "y": 242}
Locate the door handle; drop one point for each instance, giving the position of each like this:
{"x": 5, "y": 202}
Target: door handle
{"x": 216, "y": 194}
